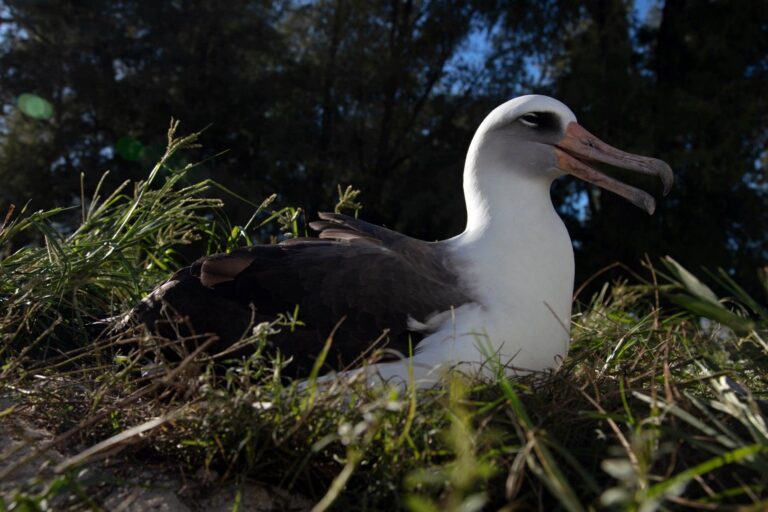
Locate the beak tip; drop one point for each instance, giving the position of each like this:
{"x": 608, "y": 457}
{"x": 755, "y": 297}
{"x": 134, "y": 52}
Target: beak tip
{"x": 667, "y": 178}
{"x": 668, "y": 182}
{"x": 649, "y": 205}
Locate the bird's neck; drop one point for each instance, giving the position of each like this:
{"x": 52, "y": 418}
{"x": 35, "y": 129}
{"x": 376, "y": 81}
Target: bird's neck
{"x": 505, "y": 205}
{"x": 515, "y": 241}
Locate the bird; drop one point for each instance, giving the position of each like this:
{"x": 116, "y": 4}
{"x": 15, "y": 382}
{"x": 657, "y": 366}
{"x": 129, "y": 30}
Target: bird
{"x": 497, "y": 295}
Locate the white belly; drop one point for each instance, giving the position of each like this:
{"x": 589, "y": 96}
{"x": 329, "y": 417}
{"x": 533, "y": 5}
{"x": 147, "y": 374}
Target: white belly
{"x": 524, "y": 285}
{"x": 522, "y": 340}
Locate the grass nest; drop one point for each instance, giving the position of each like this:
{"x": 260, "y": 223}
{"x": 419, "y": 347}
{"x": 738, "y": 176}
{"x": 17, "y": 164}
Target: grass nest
{"x": 652, "y": 409}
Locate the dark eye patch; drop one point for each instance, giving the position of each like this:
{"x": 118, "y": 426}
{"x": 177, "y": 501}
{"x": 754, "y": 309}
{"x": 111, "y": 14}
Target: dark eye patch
{"x": 546, "y": 121}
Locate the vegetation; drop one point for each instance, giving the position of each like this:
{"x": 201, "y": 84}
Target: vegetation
{"x": 661, "y": 403}
{"x": 650, "y": 411}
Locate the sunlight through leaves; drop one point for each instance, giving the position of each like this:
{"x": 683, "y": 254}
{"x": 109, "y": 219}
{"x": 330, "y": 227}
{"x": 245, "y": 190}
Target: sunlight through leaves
{"x": 129, "y": 148}
{"x": 34, "y": 106}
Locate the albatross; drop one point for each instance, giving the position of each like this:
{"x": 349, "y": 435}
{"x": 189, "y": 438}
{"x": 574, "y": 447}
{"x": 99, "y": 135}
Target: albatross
{"x": 499, "y": 290}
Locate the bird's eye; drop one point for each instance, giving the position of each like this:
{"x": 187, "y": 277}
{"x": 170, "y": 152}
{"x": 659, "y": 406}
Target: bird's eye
{"x": 531, "y": 119}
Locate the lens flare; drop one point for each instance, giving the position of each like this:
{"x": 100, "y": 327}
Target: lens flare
{"x": 129, "y": 148}
{"x": 34, "y": 106}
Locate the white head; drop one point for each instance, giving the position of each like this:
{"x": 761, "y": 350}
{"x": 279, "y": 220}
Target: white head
{"x": 526, "y": 143}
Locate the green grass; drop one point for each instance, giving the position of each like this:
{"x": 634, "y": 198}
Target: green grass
{"x": 648, "y": 412}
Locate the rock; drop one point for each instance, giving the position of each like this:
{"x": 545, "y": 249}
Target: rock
{"x": 254, "y": 497}
{"x": 138, "y": 499}
{"x": 18, "y": 440}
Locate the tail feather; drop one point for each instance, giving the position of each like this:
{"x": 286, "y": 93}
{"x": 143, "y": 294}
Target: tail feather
{"x": 183, "y": 306}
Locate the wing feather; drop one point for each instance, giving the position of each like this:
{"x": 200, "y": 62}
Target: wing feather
{"x": 373, "y": 278}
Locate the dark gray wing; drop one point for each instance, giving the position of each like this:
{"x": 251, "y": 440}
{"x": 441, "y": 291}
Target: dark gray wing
{"x": 371, "y": 277}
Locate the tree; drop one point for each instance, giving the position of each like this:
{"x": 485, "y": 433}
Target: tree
{"x": 685, "y": 83}
{"x": 301, "y": 96}
{"x": 117, "y": 71}
{"x": 304, "y": 96}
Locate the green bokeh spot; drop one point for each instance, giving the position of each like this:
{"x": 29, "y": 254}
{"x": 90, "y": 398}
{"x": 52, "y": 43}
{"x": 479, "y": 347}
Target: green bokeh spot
{"x": 34, "y": 106}
{"x": 130, "y": 148}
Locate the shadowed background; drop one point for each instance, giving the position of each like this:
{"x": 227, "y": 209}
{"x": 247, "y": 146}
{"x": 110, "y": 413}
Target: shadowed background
{"x": 385, "y": 96}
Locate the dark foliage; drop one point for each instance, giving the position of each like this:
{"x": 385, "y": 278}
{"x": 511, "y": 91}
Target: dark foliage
{"x": 303, "y": 96}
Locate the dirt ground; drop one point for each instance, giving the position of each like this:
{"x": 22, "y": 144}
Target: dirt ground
{"x": 119, "y": 484}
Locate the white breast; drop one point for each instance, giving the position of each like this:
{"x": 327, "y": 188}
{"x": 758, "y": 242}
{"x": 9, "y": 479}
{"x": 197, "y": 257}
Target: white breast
{"x": 520, "y": 270}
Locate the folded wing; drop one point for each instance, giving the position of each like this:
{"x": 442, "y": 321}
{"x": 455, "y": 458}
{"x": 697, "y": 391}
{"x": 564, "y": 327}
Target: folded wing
{"x": 367, "y": 279}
